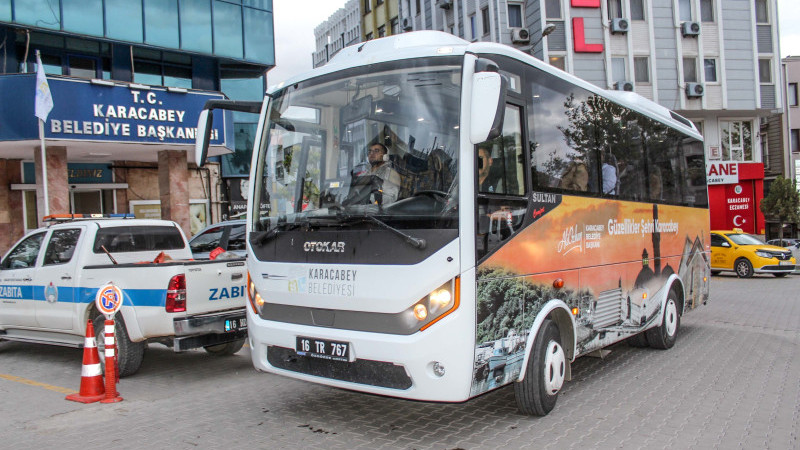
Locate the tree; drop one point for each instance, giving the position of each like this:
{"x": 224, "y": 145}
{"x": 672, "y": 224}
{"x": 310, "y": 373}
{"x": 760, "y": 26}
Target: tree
{"x": 782, "y": 203}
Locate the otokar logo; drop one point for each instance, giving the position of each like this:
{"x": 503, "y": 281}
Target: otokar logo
{"x": 324, "y": 247}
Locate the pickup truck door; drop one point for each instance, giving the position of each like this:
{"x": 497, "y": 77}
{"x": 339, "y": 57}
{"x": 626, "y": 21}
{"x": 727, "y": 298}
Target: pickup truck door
{"x": 16, "y": 283}
{"x": 55, "y": 281}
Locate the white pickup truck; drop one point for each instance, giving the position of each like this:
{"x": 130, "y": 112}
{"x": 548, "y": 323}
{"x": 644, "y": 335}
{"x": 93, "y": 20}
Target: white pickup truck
{"x": 49, "y": 280}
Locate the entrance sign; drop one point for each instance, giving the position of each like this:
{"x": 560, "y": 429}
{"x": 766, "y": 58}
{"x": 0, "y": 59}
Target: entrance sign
{"x": 722, "y": 172}
{"x": 109, "y": 299}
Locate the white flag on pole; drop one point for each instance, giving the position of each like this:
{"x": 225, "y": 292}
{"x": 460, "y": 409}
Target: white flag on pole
{"x": 44, "y": 100}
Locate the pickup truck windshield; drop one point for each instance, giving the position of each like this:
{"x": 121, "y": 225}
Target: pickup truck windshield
{"x": 375, "y": 142}
{"x": 137, "y": 239}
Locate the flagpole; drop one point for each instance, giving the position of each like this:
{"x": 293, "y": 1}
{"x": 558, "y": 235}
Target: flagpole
{"x": 44, "y": 104}
{"x": 44, "y": 169}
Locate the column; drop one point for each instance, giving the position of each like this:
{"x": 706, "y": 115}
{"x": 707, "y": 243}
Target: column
{"x": 173, "y": 186}
{"x": 57, "y": 182}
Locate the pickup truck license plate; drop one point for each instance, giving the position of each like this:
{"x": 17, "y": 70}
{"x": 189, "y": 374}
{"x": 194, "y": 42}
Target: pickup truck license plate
{"x": 232, "y": 325}
{"x": 785, "y": 263}
{"x": 320, "y": 348}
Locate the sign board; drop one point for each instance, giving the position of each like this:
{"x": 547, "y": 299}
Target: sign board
{"x": 740, "y": 206}
{"x": 108, "y": 299}
{"x": 722, "y": 172}
{"x": 119, "y": 112}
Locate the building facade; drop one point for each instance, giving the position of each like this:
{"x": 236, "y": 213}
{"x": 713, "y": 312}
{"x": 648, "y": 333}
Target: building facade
{"x": 342, "y": 28}
{"x": 715, "y": 62}
{"x": 128, "y": 79}
{"x": 379, "y": 18}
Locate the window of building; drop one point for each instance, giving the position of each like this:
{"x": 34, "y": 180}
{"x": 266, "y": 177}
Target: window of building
{"x": 618, "y": 70}
{"x": 473, "y": 31}
{"x": 765, "y": 70}
{"x": 699, "y": 125}
{"x": 707, "y": 10}
{"x": 791, "y": 94}
{"x": 395, "y": 27}
{"x": 737, "y": 140}
{"x": 161, "y": 23}
{"x": 552, "y": 9}
{"x": 614, "y": 9}
{"x": 382, "y": 31}
{"x": 710, "y": 70}
{"x": 85, "y": 17}
{"x": 228, "y": 30}
{"x": 485, "y": 20}
{"x": 641, "y": 69}
{"x": 368, "y": 37}
{"x": 82, "y": 67}
{"x": 795, "y": 140}
{"x": 258, "y": 35}
{"x": 765, "y": 150}
{"x": 558, "y": 61}
{"x": 158, "y": 68}
{"x": 689, "y": 70}
{"x": 637, "y": 9}
{"x": 762, "y": 11}
{"x": 196, "y": 25}
{"x": 515, "y": 15}
{"x": 418, "y": 7}
{"x": 367, "y": 6}
{"x": 685, "y": 9}
{"x": 123, "y": 20}
{"x": 378, "y": 2}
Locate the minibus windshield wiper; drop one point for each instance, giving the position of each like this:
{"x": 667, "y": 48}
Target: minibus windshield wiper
{"x": 413, "y": 241}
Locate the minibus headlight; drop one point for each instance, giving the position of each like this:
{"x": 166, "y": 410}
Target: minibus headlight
{"x": 434, "y": 306}
{"x": 256, "y": 301}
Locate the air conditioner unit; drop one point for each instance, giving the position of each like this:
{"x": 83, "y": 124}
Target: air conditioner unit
{"x": 408, "y": 24}
{"x": 690, "y": 28}
{"x": 444, "y": 4}
{"x": 520, "y": 36}
{"x": 620, "y": 25}
{"x": 694, "y": 90}
{"x": 624, "y": 86}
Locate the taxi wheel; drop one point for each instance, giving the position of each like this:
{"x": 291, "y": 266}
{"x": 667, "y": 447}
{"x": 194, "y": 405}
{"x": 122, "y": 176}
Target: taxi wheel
{"x": 129, "y": 354}
{"x": 743, "y": 268}
{"x": 537, "y": 393}
{"x": 229, "y": 348}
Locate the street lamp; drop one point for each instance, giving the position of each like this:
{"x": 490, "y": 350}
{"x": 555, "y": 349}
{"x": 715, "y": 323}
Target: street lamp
{"x": 549, "y": 28}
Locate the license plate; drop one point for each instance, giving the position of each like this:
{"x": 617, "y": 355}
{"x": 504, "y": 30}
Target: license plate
{"x": 232, "y": 325}
{"x": 320, "y": 348}
{"x": 786, "y": 263}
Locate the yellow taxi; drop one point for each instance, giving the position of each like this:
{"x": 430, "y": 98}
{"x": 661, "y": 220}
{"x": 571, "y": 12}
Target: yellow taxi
{"x": 736, "y": 251}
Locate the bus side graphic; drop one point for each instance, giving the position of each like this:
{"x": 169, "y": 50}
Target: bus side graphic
{"x": 615, "y": 259}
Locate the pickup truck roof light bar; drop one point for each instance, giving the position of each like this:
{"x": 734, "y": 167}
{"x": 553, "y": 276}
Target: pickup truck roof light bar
{"x": 71, "y": 217}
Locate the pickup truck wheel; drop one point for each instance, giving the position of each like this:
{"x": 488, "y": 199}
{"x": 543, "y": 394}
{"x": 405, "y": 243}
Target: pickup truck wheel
{"x": 129, "y": 354}
{"x": 228, "y": 348}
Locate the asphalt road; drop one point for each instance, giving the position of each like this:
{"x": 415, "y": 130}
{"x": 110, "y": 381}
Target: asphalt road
{"x": 731, "y": 381}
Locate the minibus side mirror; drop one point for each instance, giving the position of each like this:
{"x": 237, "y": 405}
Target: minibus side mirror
{"x": 203, "y": 136}
{"x": 487, "y": 104}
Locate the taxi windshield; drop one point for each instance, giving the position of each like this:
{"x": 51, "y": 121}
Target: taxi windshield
{"x": 744, "y": 239}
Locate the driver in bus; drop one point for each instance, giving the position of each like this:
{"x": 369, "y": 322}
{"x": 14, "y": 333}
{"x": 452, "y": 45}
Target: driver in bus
{"x": 381, "y": 167}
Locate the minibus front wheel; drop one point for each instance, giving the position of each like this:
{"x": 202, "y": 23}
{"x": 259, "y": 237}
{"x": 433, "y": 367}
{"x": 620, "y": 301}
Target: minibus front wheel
{"x": 537, "y": 393}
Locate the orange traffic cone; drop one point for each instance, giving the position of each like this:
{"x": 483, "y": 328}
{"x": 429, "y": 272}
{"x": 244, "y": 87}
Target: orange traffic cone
{"x": 92, "y": 389}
